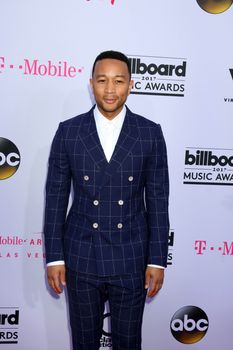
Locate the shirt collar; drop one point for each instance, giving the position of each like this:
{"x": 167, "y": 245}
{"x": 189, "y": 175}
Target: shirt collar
{"x": 101, "y": 120}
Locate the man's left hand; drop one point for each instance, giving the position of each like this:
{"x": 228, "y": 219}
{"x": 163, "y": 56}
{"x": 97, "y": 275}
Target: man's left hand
{"x": 153, "y": 280}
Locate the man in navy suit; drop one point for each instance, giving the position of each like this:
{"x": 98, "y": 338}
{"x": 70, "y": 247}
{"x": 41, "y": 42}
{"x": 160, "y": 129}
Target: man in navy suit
{"x": 114, "y": 239}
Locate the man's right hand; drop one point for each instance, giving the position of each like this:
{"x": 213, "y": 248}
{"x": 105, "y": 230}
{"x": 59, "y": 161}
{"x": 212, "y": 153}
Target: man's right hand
{"x": 56, "y": 277}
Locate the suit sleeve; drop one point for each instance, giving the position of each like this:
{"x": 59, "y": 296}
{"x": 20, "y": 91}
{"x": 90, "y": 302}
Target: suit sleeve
{"x": 156, "y": 198}
{"x": 57, "y": 197}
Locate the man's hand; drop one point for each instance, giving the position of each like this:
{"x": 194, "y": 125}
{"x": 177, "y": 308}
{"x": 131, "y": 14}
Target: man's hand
{"x": 153, "y": 280}
{"x": 56, "y": 277}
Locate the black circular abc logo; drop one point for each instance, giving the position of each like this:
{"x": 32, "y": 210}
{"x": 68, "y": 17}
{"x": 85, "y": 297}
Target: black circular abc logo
{"x": 215, "y": 6}
{"x": 189, "y": 324}
{"x": 9, "y": 158}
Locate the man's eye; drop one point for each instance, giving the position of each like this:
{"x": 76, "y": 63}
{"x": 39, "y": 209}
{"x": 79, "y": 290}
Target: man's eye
{"x": 119, "y": 81}
{"x": 101, "y": 81}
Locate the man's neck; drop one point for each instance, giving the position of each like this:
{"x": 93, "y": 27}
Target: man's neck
{"x": 109, "y": 115}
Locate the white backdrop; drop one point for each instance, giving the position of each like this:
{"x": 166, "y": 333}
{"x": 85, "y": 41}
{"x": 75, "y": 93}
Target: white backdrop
{"x": 69, "y": 35}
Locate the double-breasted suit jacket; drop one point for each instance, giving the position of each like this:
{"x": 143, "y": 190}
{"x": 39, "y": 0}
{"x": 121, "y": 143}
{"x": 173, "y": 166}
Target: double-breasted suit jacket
{"x": 118, "y": 220}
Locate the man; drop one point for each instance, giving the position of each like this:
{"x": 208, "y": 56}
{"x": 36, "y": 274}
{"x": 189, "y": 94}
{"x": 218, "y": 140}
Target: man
{"x": 114, "y": 239}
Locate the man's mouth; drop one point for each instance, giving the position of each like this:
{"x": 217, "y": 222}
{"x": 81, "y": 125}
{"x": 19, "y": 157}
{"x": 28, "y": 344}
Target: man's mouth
{"x": 109, "y": 100}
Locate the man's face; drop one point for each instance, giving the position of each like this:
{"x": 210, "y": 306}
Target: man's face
{"x": 111, "y": 86}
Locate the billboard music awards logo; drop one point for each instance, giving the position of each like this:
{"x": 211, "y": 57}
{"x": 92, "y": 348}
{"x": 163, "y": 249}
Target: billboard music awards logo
{"x": 9, "y": 158}
{"x": 189, "y": 324}
{"x": 9, "y": 324}
{"x": 224, "y": 248}
{"x": 231, "y": 72}
{"x": 229, "y": 99}
{"x": 153, "y": 75}
{"x": 215, "y": 6}
{"x": 208, "y": 166}
{"x": 170, "y": 247}
{"x": 35, "y": 67}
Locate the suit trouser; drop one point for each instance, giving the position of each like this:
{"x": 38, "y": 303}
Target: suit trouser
{"x": 87, "y": 295}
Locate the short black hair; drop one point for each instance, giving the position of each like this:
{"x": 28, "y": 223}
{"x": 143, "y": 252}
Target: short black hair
{"x": 115, "y": 55}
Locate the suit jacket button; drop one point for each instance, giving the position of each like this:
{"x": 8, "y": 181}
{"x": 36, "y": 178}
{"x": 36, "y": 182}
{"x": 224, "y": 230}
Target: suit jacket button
{"x": 96, "y": 202}
{"x": 130, "y": 178}
{"x": 119, "y": 225}
{"x": 120, "y": 202}
{"x": 95, "y": 225}
{"x": 86, "y": 177}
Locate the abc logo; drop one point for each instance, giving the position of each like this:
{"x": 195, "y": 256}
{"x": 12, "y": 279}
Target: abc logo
{"x": 215, "y": 7}
{"x": 107, "y": 325}
{"x": 189, "y": 324}
{"x": 9, "y": 158}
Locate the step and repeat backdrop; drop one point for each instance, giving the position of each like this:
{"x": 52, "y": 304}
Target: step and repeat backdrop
{"x": 182, "y": 65}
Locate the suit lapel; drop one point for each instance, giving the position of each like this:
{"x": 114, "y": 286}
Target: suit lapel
{"x": 90, "y": 139}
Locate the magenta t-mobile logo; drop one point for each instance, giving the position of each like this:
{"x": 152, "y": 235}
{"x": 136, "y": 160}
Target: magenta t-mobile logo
{"x": 61, "y": 68}
{"x": 112, "y": 1}
{"x": 223, "y": 248}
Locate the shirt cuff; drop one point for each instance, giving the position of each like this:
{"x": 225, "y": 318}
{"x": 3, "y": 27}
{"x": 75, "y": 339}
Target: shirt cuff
{"x": 157, "y": 266}
{"x": 54, "y": 263}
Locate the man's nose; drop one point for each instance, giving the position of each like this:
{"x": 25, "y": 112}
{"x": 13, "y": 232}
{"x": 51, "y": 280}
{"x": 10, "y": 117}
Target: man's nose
{"x": 110, "y": 87}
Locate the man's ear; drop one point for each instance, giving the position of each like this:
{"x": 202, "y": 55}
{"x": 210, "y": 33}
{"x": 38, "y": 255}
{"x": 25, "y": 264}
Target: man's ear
{"x": 91, "y": 83}
{"x": 131, "y": 84}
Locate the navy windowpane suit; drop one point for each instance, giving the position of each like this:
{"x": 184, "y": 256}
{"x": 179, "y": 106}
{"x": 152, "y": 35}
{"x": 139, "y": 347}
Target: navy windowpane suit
{"x": 118, "y": 221}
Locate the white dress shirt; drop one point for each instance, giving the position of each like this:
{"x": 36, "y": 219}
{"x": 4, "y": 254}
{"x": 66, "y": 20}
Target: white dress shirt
{"x": 108, "y": 132}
